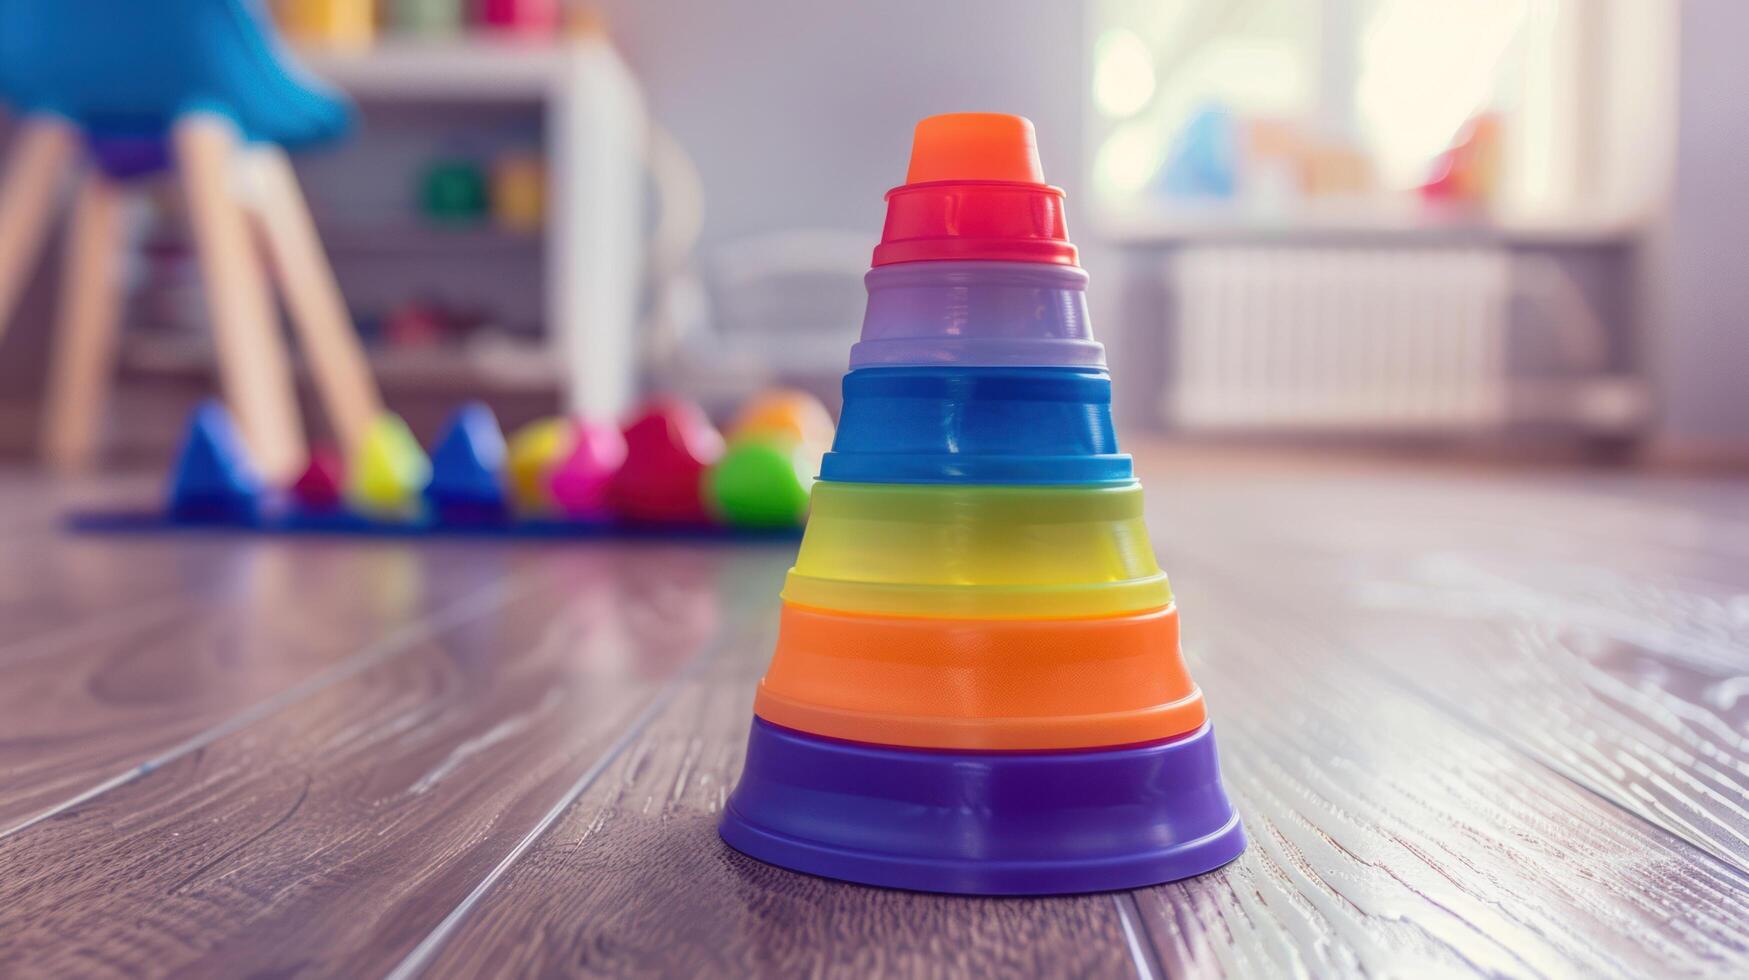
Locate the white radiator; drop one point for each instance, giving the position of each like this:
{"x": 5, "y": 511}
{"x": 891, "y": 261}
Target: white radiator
{"x": 1339, "y": 340}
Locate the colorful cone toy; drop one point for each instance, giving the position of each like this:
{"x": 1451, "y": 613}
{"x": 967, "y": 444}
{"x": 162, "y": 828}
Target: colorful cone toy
{"x": 213, "y": 481}
{"x": 467, "y": 468}
{"x": 977, "y": 686}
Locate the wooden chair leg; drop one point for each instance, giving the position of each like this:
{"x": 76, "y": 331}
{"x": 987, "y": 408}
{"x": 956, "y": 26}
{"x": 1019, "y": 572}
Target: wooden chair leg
{"x": 83, "y": 363}
{"x": 256, "y": 373}
{"x": 42, "y": 153}
{"x": 336, "y": 357}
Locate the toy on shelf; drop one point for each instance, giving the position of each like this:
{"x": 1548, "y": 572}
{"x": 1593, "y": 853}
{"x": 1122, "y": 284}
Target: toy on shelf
{"x": 556, "y": 477}
{"x": 1468, "y": 173}
{"x": 453, "y": 192}
{"x": 977, "y": 686}
{"x": 340, "y": 23}
{"x": 519, "y": 192}
{"x": 524, "y": 17}
{"x": 113, "y": 90}
{"x": 428, "y": 18}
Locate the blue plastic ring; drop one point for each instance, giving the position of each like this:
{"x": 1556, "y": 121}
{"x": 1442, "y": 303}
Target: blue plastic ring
{"x": 986, "y": 425}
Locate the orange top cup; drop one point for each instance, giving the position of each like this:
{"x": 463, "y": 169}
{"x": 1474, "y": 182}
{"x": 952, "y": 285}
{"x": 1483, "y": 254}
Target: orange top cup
{"x": 975, "y": 146}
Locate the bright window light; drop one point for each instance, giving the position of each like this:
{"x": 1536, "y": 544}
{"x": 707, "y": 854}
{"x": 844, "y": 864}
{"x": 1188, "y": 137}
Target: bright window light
{"x": 1123, "y": 73}
{"x": 1128, "y": 159}
{"x": 1426, "y": 67}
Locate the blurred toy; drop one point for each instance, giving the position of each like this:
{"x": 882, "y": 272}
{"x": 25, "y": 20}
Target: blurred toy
{"x": 774, "y": 452}
{"x": 536, "y": 450}
{"x": 414, "y": 324}
{"x": 1469, "y": 172}
{"x": 529, "y": 17}
{"x": 429, "y": 18}
{"x": 453, "y": 192}
{"x": 1204, "y": 160}
{"x": 785, "y": 413}
{"x": 579, "y": 484}
{"x": 668, "y": 449}
{"x": 467, "y": 468}
{"x": 202, "y": 86}
{"x": 519, "y": 192}
{"x": 213, "y": 481}
{"x": 1336, "y": 170}
{"x": 341, "y": 23}
{"x": 977, "y": 686}
{"x": 762, "y": 483}
{"x": 387, "y": 475}
{"x": 321, "y": 486}
{"x": 1284, "y": 162}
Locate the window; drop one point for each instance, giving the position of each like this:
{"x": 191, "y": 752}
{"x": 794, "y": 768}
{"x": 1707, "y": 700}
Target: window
{"x": 1377, "y": 111}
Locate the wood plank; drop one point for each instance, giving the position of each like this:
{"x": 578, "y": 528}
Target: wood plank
{"x": 331, "y": 836}
{"x": 633, "y": 880}
{"x": 1603, "y": 634}
{"x": 50, "y": 581}
{"x": 94, "y": 704}
{"x": 1388, "y": 839}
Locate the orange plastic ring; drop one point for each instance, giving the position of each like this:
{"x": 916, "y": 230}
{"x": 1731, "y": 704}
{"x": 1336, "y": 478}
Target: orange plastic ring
{"x": 981, "y": 683}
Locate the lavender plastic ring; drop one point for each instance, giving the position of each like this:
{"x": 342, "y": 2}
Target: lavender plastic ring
{"x": 983, "y": 823}
{"x": 992, "y": 314}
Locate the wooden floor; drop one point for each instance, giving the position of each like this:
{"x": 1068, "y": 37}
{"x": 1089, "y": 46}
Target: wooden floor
{"x": 1493, "y": 724}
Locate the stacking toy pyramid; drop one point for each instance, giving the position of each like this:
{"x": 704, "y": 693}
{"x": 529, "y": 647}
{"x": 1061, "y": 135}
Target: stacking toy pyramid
{"x": 977, "y": 686}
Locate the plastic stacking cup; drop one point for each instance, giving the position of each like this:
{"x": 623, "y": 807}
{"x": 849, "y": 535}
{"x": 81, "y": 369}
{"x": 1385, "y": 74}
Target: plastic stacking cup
{"x": 977, "y": 552}
{"x": 1007, "y": 684}
{"x": 992, "y": 314}
{"x": 983, "y": 823}
{"x": 977, "y": 425}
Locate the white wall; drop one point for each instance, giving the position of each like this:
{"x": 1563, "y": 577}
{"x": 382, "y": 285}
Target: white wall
{"x": 1699, "y": 337}
{"x": 799, "y": 112}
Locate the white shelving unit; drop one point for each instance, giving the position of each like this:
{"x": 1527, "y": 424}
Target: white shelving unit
{"x": 595, "y": 137}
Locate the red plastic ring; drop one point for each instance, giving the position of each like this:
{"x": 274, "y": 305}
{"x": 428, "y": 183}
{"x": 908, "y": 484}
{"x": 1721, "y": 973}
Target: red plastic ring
{"x": 1002, "y": 221}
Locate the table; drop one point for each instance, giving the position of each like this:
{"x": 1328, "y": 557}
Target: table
{"x": 1476, "y": 722}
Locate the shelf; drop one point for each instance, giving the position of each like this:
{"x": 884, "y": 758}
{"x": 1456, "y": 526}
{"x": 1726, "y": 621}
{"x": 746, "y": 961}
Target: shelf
{"x": 473, "y": 68}
{"x": 480, "y": 369}
{"x": 1181, "y": 224}
{"x": 403, "y": 238}
{"x": 399, "y": 238}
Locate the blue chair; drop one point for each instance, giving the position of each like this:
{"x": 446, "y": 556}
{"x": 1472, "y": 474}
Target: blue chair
{"x": 122, "y": 89}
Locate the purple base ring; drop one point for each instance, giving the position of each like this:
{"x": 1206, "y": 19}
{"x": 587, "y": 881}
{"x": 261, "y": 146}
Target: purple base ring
{"x": 983, "y": 823}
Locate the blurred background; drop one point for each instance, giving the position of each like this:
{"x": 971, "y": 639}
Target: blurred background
{"x": 1497, "y": 226}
